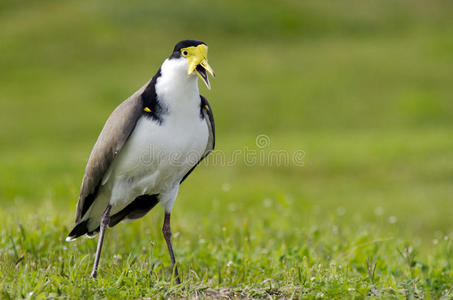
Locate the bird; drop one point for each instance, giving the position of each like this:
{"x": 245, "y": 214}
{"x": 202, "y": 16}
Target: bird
{"x": 148, "y": 146}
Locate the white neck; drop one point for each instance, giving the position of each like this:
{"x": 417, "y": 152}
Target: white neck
{"x": 176, "y": 89}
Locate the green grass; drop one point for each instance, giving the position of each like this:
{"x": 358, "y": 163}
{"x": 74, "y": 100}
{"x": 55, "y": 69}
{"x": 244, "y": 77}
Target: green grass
{"x": 362, "y": 88}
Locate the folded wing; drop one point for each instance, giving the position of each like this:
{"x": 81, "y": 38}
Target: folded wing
{"x": 114, "y": 135}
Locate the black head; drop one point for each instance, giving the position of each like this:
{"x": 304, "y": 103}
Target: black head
{"x": 184, "y": 44}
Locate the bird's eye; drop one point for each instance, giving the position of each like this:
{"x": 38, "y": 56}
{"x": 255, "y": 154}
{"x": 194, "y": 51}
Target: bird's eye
{"x": 185, "y": 53}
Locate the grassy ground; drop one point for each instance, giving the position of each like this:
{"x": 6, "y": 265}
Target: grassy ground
{"x": 360, "y": 91}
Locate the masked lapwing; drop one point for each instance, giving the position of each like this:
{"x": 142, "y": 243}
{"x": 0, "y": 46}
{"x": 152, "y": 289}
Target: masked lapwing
{"x": 150, "y": 143}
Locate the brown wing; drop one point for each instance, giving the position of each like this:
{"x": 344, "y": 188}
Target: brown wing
{"x": 113, "y": 136}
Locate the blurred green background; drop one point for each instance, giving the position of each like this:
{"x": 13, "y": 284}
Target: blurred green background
{"x": 364, "y": 88}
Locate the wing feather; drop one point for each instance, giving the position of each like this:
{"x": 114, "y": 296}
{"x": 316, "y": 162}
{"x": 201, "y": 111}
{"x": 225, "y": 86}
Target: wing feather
{"x": 206, "y": 113}
{"x": 209, "y": 117}
{"x": 112, "y": 138}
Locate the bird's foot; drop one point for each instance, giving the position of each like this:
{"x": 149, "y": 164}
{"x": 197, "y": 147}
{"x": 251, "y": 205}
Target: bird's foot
{"x": 94, "y": 275}
{"x": 176, "y": 275}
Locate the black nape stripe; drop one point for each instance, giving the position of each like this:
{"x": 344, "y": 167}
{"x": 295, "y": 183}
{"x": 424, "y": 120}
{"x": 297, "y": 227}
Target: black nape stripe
{"x": 151, "y": 106}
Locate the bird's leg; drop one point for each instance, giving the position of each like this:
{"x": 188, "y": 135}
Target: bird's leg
{"x": 104, "y": 222}
{"x": 166, "y": 230}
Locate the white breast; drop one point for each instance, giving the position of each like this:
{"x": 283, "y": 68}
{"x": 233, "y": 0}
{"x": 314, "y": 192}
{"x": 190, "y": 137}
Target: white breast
{"x": 156, "y": 157}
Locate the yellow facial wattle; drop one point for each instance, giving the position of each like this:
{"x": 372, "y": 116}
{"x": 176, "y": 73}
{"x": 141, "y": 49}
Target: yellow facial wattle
{"x": 198, "y": 56}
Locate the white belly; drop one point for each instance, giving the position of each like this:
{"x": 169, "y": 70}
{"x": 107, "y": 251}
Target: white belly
{"x": 155, "y": 159}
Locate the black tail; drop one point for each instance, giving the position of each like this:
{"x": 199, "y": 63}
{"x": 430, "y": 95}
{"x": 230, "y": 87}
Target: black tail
{"x": 135, "y": 210}
{"x": 79, "y": 230}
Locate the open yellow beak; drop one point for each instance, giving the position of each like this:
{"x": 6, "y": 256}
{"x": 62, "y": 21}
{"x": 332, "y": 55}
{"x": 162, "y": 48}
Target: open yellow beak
{"x": 197, "y": 58}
